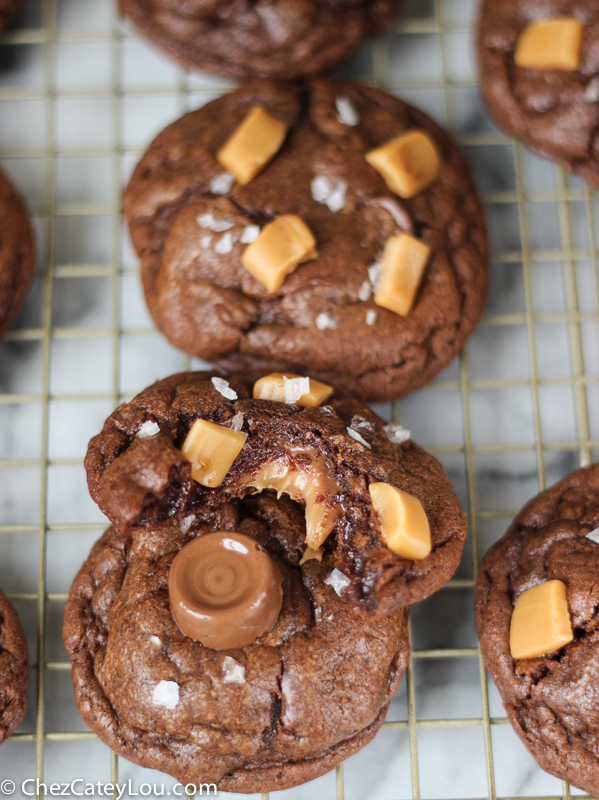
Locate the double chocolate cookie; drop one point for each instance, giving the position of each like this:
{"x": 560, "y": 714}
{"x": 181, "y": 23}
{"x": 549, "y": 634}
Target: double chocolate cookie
{"x": 17, "y": 253}
{"x": 14, "y": 672}
{"x": 349, "y": 243}
{"x": 326, "y": 458}
{"x": 539, "y": 64}
{"x": 213, "y": 631}
{"x": 260, "y": 38}
{"x": 536, "y": 603}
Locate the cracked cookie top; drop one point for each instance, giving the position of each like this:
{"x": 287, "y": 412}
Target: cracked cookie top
{"x": 14, "y": 672}
{"x": 260, "y": 38}
{"x": 191, "y": 224}
{"x": 552, "y": 699}
{"x": 554, "y": 111}
{"x": 17, "y": 252}
{"x": 325, "y": 458}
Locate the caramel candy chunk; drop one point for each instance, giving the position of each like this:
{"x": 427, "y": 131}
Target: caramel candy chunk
{"x": 409, "y": 163}
{"x": 310, "y": 483}
{"x": 404, "y": 261}
{"x": 404, "y": 525}
{"x": 253, "y": 143}
{"x": 287, "y": 388}
{"x": 550, "y": 44}
{"x": 540, "y": 621}
{"x": 281, "y": 246}
{"x": 224, "y": 590}
{"x": 212, "y": 449}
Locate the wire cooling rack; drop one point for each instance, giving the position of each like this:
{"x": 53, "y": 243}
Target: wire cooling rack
{"x": 80, "y": 97}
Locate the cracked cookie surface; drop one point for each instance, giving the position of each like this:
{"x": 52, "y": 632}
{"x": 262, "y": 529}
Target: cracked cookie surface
{"x": 14, "y": 672}
{"x": 323, "y": 318}
{"x": 139, "y": 482}
{"x": 17, "y": 253}
{"x": 553, "y": 700}
{"x": 286, "y": 709}
{"x": 260, "y": 38}
{"x": 554, "y": 112}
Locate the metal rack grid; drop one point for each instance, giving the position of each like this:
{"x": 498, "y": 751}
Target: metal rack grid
{"x": 568, "y": 255}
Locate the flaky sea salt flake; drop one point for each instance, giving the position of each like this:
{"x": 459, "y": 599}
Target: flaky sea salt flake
{"x": 206, "y": 241}
{"x": 325, "y": 320}
{"x": 209, "y": 221}
{"x": 591, "y": 92}
{"x": 155, "y": 640}
{"x": 233, "y": 672}
{"x": 338, "y": 581}
{"x": 321, "y": 188}
{"x": 166, "y": 693}
{"x": 222, "y": 184}
{"x": 396, "y": 434}
{"x": 237, "y": 421}
{"x": 249, "y": 234}
{"x": 593, "y": 536}
{"x": 347, "y": 113}
{"x": 355, "y": 435}
{"x": 148, "y": 429}
{"x": 224, "y": 244}
{"x": 187, "y": 523}
{"x": 295, "y": 388}
{"x": 222, "y": 387}
{"x": 374, "y": 273}
{"x": 371, "y": 316}
{"x": 365, "y": 292}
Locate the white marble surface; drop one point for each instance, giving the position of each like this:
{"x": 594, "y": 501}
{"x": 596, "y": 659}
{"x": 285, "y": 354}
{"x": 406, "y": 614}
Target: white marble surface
{"x": 74, "y": 117}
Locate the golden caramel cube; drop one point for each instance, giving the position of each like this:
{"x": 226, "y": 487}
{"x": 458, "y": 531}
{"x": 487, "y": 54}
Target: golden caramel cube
{"x": 404, "y": 261}
{"x": 212, "y": 449}
{"x": 408, "y": 163}
{"x": 281, "y": 246}
{"x": 540, "y": 621}
{"x": 285, "y": 388}
{"x": 404, "y": 524}
{"x": 254, "y": 142}
{"x": 550, "y": 44}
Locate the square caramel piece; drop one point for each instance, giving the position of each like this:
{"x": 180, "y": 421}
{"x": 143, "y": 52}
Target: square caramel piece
{"x": 540, "y": 621}
{"x": 283, "y": 388}
{"x": 409, "y": 163}
{"x": 550, "y": 44}
{"x": 404, "y": 261}
{"x": 404, "y": 524}
{"x": 212, "y": 449}
{"x": 252, "y": 145}
{"x": 281, "y": 246}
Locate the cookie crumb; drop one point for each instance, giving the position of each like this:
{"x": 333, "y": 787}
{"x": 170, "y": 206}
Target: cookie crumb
{"x": 237, "y": 421}
{"x": 325, "y": 320}
{"x": 371, "y": 316}
{"x": 347, "y": 113}
{"x": 148, "y": 429}
{"x": 222, "y": 184}
{"x": 338, "y": 581}
{"x": 250, "y": 234}
{"x": 222, "y": 387}
{"x": 233, "y": 672}
{"x": 593, "y": 536}
{"x": 209, "y": 221}
{"x": 166, "y": 693}
{"x": 365, "y": 292}
{"x": 187, "y": 523}
{"x": 396, "y": 434}
{"x": 295, "y": 388}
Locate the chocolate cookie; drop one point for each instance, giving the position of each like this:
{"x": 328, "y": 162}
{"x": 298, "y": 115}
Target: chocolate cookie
{"x": 191, "y": 223}
{"x": 14, "y": 673}
{"x": 553, "y": 109}
{"x": 328, "y": 459}
{"x": 551, "y": 551}
{"x": 282, "y": 39}
{"x": 17, "y": 253}
{"x": 304, "y": 696}
{"x": 8, "y": 8}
